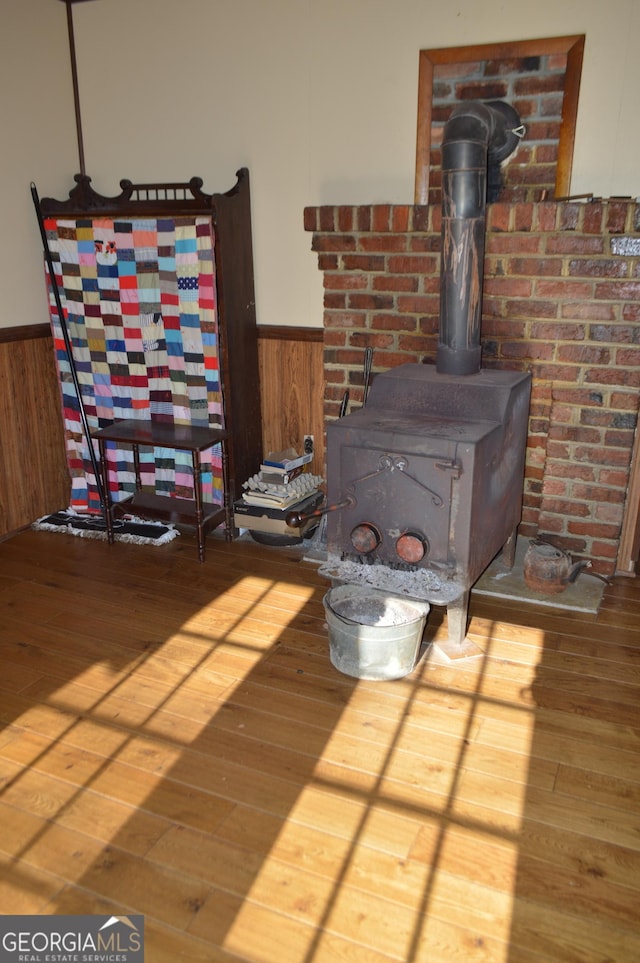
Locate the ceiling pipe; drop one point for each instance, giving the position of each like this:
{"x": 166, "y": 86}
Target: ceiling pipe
{"x": 475, "y": 136}
{"x": 74, "y": 77}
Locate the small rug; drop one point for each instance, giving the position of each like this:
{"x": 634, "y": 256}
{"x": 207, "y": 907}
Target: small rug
{"x": 130, "y": 529}
{"x": 583, "y": 595}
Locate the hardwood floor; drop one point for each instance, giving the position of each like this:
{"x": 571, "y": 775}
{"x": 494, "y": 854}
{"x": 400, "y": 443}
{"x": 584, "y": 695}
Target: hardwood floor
{"x": 176, "y": 743}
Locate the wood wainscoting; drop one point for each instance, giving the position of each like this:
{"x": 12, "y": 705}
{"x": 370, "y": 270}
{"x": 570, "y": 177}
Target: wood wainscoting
{"x": 292, "y": 386}
{"x": 34, "y": 479}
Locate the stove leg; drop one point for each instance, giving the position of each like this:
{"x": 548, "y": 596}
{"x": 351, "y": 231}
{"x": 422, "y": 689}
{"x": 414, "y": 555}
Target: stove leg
{"x": 457, "y": 615}
{"x": 509, "y": 550}
{"x": 457, "y": 645}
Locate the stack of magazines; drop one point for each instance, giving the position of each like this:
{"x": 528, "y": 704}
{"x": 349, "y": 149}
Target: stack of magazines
{"x": 282, "y": 481}
{"x": 283, "y": 484}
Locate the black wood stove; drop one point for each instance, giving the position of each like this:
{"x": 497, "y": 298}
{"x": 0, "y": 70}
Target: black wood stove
{"x": 425, "y": 480}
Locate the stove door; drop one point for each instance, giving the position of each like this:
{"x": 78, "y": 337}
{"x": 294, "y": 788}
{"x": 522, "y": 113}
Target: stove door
{"x": 400, "y": 513}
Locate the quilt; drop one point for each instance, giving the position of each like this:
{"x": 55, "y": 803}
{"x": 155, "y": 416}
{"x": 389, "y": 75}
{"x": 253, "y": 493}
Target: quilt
{"x": 139, "y": 300}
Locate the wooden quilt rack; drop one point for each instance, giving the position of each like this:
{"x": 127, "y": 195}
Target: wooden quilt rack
{"x": 237, "y": 333}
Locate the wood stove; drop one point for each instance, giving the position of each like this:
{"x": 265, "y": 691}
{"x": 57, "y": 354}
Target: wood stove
{"x": 424, "y": 482}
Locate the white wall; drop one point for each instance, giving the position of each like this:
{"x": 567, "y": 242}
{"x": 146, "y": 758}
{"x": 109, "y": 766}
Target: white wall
{"x": 317, "y": 97}
{"x": 38, "y": 143}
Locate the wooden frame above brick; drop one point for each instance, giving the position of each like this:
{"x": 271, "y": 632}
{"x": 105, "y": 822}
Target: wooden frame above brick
{"x": 571, "y": 47}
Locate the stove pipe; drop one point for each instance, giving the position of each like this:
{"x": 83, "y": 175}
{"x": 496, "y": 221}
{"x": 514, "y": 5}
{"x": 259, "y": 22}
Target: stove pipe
{"x": 475, "y": 136}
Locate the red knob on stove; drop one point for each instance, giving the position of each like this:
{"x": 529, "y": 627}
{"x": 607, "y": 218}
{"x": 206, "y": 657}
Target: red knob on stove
{"x": 412, "y": 547}
{"x": 365, "y": 538}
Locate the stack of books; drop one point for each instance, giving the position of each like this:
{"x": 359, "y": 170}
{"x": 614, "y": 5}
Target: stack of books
{"x": 282, "y": 485}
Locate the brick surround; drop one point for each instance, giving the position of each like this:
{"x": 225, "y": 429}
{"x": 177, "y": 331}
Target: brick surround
{"x": 561, "y": 299}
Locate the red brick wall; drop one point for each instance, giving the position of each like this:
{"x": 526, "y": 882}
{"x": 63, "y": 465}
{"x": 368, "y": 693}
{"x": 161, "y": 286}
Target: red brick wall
{"x": 559, "y": 301}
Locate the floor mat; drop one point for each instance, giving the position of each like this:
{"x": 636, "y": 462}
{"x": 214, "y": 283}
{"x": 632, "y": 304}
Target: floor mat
{"x": 133, "y": 530}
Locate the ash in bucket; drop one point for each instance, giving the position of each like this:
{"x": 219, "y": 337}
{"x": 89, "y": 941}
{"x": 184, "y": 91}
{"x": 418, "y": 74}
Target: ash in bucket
{"x": 372, "y": 634}
{"x": 370, "y": 610}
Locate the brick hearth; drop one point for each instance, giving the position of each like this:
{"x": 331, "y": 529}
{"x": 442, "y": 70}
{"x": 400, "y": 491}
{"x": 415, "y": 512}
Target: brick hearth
{"x": 561, "y": 299}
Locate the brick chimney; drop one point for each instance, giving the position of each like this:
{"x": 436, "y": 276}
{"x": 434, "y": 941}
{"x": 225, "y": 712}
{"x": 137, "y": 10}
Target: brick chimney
{"x": 561, "y": 300}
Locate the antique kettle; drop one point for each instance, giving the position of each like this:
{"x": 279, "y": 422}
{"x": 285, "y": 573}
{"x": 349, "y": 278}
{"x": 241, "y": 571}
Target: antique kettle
{"x": 550, "y": 569}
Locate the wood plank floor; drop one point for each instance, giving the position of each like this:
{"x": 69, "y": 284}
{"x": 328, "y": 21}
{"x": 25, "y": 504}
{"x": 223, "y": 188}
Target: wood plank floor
{"x": 176, "y": 743}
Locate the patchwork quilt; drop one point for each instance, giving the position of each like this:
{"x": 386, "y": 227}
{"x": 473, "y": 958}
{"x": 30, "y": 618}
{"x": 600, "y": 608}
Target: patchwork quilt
{"x": 139, "y": 300}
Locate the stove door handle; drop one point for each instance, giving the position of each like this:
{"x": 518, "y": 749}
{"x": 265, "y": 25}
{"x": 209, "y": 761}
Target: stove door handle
{"x": 296, "y": 520}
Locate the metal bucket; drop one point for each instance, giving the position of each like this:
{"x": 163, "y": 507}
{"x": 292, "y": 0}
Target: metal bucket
{"x": 373, "y": 635}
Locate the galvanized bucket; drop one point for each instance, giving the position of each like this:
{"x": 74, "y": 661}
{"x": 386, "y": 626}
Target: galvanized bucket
{"x": 372, "y": 634}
